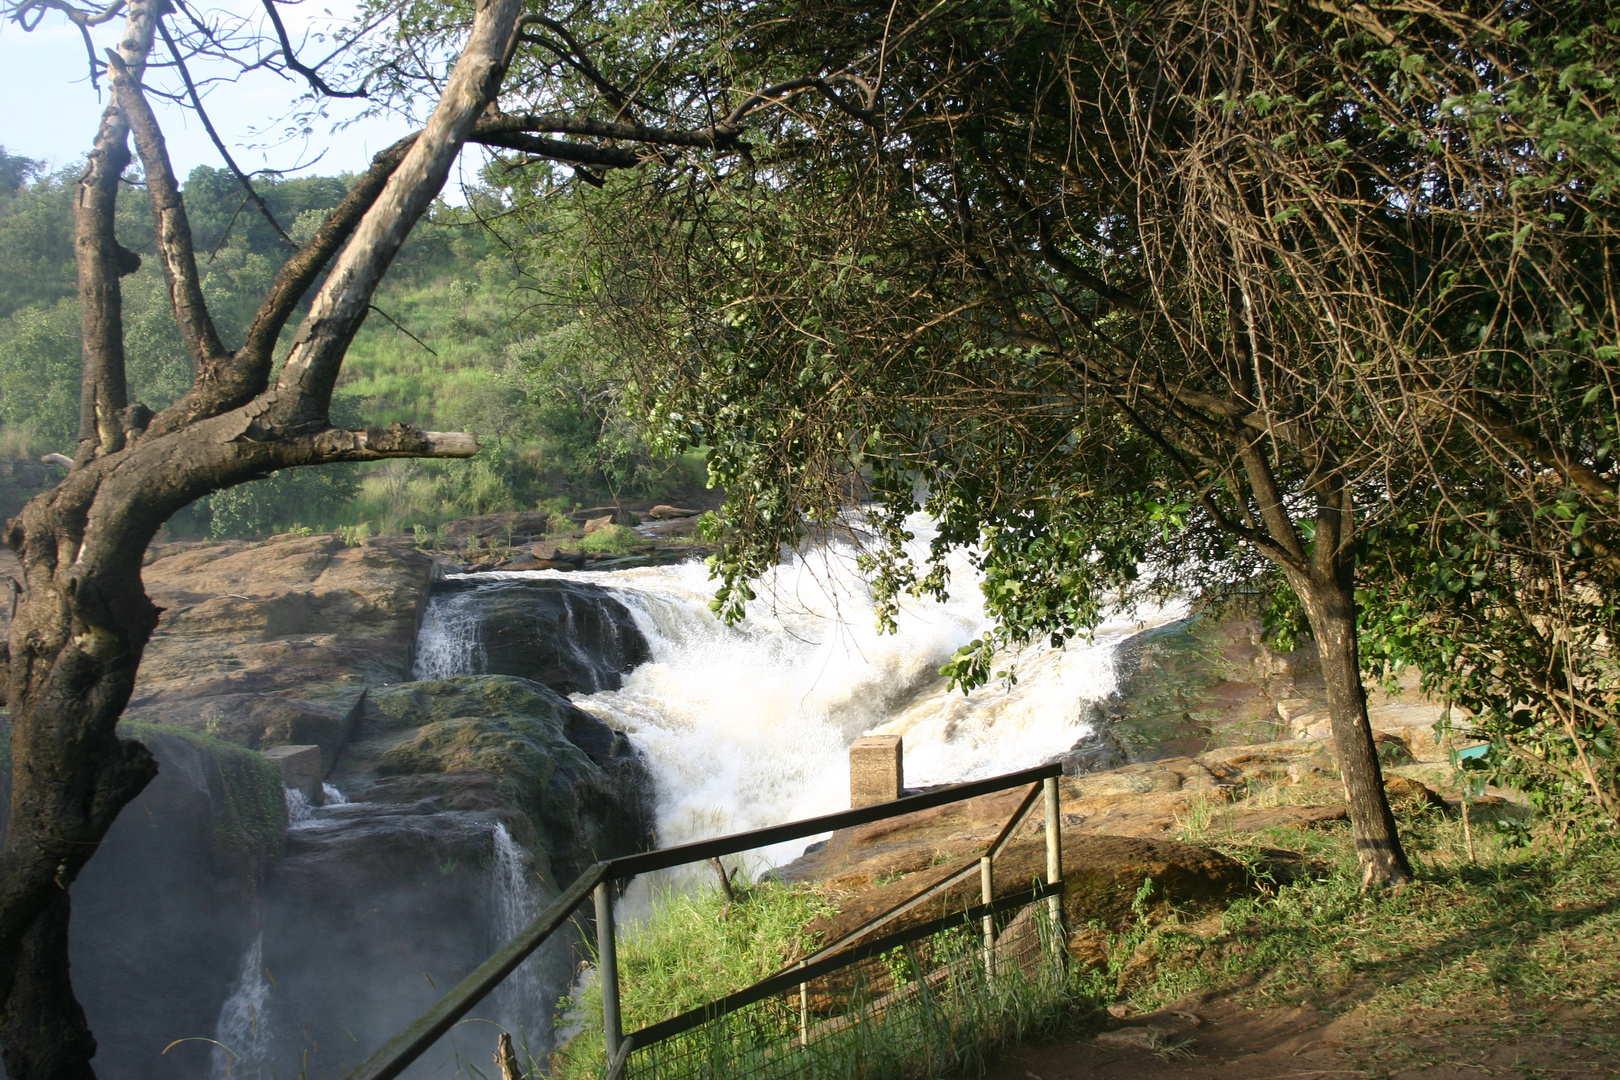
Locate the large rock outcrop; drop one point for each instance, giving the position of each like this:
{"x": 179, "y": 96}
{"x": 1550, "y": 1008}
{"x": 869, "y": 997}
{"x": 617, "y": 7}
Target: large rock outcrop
{"x": 470, "y": 801}
{"x": 1103, "y": 882}
{"x": 573, "y": 636}
{"x": 566, "y": 783}
{"x": 274, "y": 643}
{"x": 474, "y": 799}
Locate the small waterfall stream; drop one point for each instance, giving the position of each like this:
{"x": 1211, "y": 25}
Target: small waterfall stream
{"x": 243, "y": 1035}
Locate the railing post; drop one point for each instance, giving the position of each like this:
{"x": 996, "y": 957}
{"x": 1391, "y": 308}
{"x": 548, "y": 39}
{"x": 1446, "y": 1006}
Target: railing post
{"x": 987, "y": 894}
{"x": 1054, "y": 854}
{"x": 607, "y": 970}
{"x": 804, "y": 1013}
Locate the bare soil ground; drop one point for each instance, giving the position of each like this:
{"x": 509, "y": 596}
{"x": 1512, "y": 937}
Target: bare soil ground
{"x": 1219, "y": 1038}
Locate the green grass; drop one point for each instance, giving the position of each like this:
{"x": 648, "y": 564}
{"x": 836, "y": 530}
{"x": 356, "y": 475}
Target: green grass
{"x": 1503, "y": 939}
{"x": 697, "y": 947}
{"x": 694, "y": 948}
{"x": 615, "y": 539}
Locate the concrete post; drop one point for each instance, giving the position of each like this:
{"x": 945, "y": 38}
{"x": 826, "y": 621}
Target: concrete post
{"x": 300, "y": 768}
{"x": 876, "y": 772}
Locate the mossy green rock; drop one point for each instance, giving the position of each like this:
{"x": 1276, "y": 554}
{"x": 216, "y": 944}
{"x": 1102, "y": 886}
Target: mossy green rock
{"x": 566, "y": 783}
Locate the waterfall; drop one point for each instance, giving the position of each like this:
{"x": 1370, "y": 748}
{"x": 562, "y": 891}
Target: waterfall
{"x": 512, "y": 899}
{"x": 748, "y": 725}
{"x": 526, "y": 1001}
{"x": 299, "y": 812}
{"x": 447, "y": 642}
{"x": 242, "y": 1034}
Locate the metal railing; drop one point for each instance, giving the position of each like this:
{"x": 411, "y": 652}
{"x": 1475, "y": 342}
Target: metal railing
{"x": 394, "y": 1056}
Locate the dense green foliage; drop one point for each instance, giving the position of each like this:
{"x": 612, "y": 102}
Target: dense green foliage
{"x": 1134, "y": 298}
{"x": 469, "y": 333}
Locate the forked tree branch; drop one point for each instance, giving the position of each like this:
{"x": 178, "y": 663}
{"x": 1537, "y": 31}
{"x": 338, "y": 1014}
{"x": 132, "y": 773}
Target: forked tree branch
{"x": 102, "y": 260}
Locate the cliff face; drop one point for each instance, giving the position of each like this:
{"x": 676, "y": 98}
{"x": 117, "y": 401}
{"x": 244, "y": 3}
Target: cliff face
{"x": 303, "y": 944}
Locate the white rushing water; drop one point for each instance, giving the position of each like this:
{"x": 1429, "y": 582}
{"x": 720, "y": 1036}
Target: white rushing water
{"x": 749, "y": 726}
{"x": 513, "y": 900}
{"x": 242, "y": 1035}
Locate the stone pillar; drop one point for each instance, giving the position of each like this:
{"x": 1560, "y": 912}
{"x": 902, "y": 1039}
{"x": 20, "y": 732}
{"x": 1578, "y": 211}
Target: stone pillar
{"x": 300, "y": 769}
{"x": 875, "y": 770}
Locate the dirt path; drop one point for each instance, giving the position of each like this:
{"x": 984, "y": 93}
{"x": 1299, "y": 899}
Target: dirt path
{"x": 1219, "y": 1039}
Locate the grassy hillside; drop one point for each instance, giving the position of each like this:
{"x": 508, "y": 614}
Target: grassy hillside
{"x": 466, "y": 335}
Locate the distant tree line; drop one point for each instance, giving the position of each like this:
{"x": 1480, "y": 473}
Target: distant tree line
{"x": 468, "y": 332}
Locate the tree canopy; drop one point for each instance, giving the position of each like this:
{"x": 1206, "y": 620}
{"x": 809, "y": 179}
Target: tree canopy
{"x": 1138, "y": 297}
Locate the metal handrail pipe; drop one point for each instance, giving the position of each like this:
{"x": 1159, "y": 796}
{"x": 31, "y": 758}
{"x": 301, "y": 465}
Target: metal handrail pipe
{"x": 703, "y": 850}
{"x": 1013, "y": 822}
{"x": 396, "y": 1055}
{"x": 933, "y": 890}
{"x": 880, "y": 921}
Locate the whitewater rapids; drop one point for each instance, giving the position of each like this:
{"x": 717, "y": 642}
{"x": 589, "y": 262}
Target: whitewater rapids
{"x": 749, "y": 725}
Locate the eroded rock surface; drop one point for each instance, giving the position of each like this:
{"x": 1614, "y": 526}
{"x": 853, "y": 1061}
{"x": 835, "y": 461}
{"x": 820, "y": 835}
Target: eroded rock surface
{"x": 274, "y": 643}
{"x": 564, "y": 782}
{"x": 1103, "y": 878}
{"x": 381, "y": 904}
{"x": 573, "y": 636}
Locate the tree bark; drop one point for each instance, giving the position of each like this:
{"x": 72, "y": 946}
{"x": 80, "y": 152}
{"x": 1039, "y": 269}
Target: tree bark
{"x": 46, "y": 1032}
{"x": 1323, "y": 576}
{"x": 1330, "y": 608}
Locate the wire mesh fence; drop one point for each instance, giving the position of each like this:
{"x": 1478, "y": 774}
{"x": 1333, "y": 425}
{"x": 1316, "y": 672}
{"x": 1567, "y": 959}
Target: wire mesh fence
{"x": 919, "y": 1008}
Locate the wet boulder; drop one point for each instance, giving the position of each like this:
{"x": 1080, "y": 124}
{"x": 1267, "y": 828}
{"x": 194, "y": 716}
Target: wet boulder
{"x": 573, "y": 636}
{"x": 571, "y": 786}
{"x": 473, "y": 800}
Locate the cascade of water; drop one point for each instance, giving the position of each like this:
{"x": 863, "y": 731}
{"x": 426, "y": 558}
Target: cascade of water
{"x": 447, "y": 642}
{"x": 747, "y": 726}
{"x": 333, "y": 796}
{"x": 299, "y": 812}
{"x": 527, "y": 999}
{"x": 242, "y": 1033}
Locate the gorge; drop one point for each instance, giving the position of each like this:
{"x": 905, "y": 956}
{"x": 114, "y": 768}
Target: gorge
{"x": 227, "y": 928}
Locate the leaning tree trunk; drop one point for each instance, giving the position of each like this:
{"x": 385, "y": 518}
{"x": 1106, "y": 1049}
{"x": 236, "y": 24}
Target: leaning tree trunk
{"x": 1330, "y": 608}
{"x": 1323, "y": 574}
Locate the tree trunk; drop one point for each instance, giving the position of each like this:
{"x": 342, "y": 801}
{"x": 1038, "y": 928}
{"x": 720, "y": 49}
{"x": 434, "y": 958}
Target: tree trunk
{"x": 76, "y": 640}
{"x": 84, "y": 620}
{"x": 1330, "y": 607}
{"x": 46, "y": 1033}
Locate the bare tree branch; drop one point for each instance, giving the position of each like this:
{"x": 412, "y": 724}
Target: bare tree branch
{"x": 219, "y": 144}
{"x": 290, "y": 58}
{"x": 173, "y": 238}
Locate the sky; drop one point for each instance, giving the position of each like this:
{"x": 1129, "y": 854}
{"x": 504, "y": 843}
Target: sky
{"x": 54, "y": 110}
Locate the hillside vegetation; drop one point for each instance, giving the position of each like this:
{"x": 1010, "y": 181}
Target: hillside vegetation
{"x": 468, "y": 334}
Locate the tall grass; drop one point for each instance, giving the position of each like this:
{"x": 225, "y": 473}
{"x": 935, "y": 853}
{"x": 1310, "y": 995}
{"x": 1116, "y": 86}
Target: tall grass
{"x": 918, "y": 1010}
